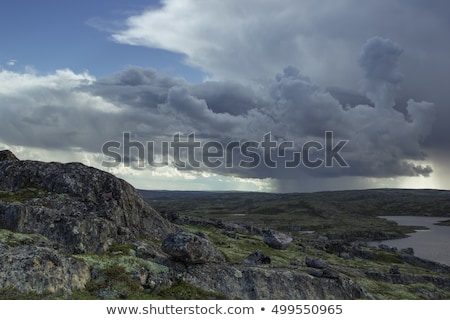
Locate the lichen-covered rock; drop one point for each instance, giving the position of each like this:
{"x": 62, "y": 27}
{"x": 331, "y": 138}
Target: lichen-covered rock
{"x": 276, "y": 239}
{"x": 30, "y": 268}
{"x": 80, "y": 207}
{"x": 190, "y": 248}
{"x": 263, "y": 282}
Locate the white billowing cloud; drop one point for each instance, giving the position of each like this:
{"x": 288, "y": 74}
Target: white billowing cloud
{"x": 11, "y": 62}
{"x": 241, "y": 40}
{"x": 234, "y": 39}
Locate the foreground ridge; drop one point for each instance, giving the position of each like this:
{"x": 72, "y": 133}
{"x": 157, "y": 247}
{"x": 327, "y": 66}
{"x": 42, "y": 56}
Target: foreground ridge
{"x": 73, "y": 231}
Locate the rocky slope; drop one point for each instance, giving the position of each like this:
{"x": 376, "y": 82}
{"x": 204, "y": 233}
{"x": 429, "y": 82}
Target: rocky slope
{"x": 72, "y": 231}
{"x": 81, "y": 208}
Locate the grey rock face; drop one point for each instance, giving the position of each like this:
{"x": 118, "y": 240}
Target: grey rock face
{"x": 80, "y": 207}
{"x": 316, "y": 263}
{"x": 276, "y": 239}
{"x": 262, "y": 282}
{"x": 190, "y": 248}
{"x": 40, "y": 270}
{"x": 6, "y": 155}
{"x": 56, "y": 210}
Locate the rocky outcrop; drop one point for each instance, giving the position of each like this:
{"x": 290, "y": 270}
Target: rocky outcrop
{"x": 72, "y": 228}
{"x": 191, "y": 248}
{"x": 81, "y": 208}
{"x": 276, "y": 239}
{"x": 38, "y": 268}
{"x": 6, "y": 155}
{"x": 50, "y": 211}
{"x": 260, "y": 282}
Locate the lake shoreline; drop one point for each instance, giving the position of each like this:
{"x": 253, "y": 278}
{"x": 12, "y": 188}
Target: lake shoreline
{"x": 429, "y": 243}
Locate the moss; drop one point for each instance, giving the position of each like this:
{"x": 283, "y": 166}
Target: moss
{"x": 124, "y": 249}
{"x": 386, "y": 257}
{"x": 22, "y": 195}
{"x": 11, "y": 293}
{"x": 443, "y": 223}
{"x": 129, "y": 263}
{"x": 14, "y": 239}
{"x": 111, "y": 283}
{"x": 386, "y": 290}
{"x": 114, "y": 275}
{"x": 237, "y": 249}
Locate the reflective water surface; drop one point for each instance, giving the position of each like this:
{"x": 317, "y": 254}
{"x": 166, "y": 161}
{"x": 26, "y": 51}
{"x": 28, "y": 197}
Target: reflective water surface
{"x": 432, "y": 244}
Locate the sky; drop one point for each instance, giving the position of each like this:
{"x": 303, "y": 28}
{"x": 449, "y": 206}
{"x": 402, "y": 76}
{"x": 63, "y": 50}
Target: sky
{"x": 87, "y": 81}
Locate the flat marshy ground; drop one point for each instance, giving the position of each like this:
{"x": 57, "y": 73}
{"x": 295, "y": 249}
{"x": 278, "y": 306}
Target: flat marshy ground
{"x": 339, "y": 214}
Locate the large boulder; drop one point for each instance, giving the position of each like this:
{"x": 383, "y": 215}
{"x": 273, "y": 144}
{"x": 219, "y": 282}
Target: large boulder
{"x": 316, "y": 263}
{"x": 259, "y": 282}
{"x": 82, "y": 208}
{"x": 276, "y": 239}
{"x": 35, "y": 267}
{"x": 191, "y": 248}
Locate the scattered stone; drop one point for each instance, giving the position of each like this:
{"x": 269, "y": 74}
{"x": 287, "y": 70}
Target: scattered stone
{"x": 324, "y": 273}
{"x": 409, "y": 251}
{"x": 331, "y": 274}
{"x": 257, "y": 258}
{"x": 387, "y": 248}
{"x": 322, "y": 238}
{"x": 315, "y": 272}
{"x": 316, "y": 263}
{"x": 394, "y": 270}
{"x": 190, "y": 248}
{"x": 201, "y": 234}
{"x": 296, "y": 262}
{"x": 277, "y": 240}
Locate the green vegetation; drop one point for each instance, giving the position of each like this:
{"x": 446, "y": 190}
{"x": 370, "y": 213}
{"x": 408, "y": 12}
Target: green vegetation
{"x": 344, "y": 216}
{"x": 237, "y": 249}
{"x": 14, "y": 239}
{"x": 443, "y": 223}
{"x": 129, "y": 263}
{"x": 22, "y": 195}
{"x": 348, "y": 215}
{"x": 321, "y": 223}
{"x": 14, "y": 294}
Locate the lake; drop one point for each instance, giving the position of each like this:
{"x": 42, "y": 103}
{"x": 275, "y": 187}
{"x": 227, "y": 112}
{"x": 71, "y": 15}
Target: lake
{"x": 432, "y": 244}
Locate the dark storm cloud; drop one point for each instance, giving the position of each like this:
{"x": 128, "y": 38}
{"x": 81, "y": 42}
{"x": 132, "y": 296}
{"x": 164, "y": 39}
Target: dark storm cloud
{"x": 66, "y": 110}
{"x": 379, "y": 60}
{"x": 226, "y": 96}
{"x": 136, "y": 87}
{"x": 254, "y": 40}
